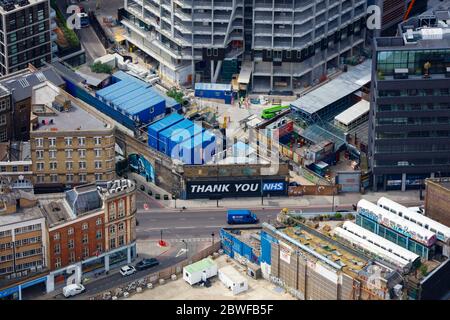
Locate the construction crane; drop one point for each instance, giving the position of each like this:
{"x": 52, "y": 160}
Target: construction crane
{"x": 408, "y": 11}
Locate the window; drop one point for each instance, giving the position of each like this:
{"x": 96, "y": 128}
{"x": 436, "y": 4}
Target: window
{"x": 98, "y": 234}
{"x": 85, "y": 226}
{"x": 52, "y": 142}
{"x": 69, "y": 165}
{"x": 112, "y": 211}
{"x": 98, "y": 177}
{"x": 3, "y": 168}
{"x": 69, "y": 177}
{"x": 121, "y": 208}
{"x": 71, "y": 244}
{"x": 69, "y": 153}
{"x": 57, "y": 249}
{"x": 58, "y": 263}
{"x": 52, "y": 154}
{"x": 98, "y": 153}
{"x": 98, "y": 140}
{"x": 112, "y": 229}
{"x": 39, "y": 154}
{"x": 98, "y": 222}
{"x": 81, "y": 141}
{"x": 56, "y": 236}
{"x": 99, "y": 248}
{"x": 68, "y": 141}
{"x": 121, "y": 240}
{"x": 53, "y": 165}
{"x": 26, "y": 168}
{"x": 82, "y": 177}
{"x": 82, "y": 153}
{"x": 54, "y": 178}
{"x": 39, "y": 142}
{"x": 85, "y": 252}
{"x": 85, "y": 238}
{"x": 98, "y": 164}
{"x": 112, "y": 243}
{"x": 121, "y": 226}
{"x": 82, "y": 164}
{"x": 71, "y": 257}
{"x": 14, "y": 169}
{"x": 70, "y": 231}
{"x": 40, "y": 179}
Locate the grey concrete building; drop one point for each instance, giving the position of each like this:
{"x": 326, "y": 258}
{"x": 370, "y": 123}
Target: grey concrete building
{"x": 286, "y": 44}
{"x": 409, "y": 135}
{"x": 25, "y": 35}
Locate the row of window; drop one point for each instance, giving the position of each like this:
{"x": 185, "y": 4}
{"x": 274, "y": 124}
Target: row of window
{"x": 120, "y": 227}
{"x": 68, "y": 141}
{"x": 413, "y": 162}
{"x": 82, "y": 165}
{"x": 71, "y": 242}
{"x": 25, "y": 242}
{"x": 392, "y": 148}
{"x": 120, "y": 211}
{"x": 413, "y": 107}
{"x": 28, "y": 253}
{"x": 70, "y": 178}
{"x": 68, "y": 153}
{"x": 413, "y": 121}
{"x": 114, "y": 243}
{"x": 15, "y": 169}
{"x": 6, "y": 233}
{"x": 26, "y": 229}
{"x": 413, "y": 134}
{"x": 414, "y": 92}
{"x": 72, "y": 256}
{"x": 71, "y": 230}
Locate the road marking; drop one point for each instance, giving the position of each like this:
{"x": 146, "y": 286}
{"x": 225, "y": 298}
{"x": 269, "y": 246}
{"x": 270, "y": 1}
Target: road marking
{"x": 176, "y": 228}
{"x": 181, "y": 252}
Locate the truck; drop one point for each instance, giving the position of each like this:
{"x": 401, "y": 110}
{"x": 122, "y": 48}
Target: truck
{"x": 241, "y": 217}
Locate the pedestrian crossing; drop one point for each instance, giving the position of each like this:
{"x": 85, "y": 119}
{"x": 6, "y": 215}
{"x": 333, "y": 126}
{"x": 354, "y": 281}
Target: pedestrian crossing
{"x": 191, "y": 240}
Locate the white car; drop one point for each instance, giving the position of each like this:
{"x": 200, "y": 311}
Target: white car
{"x": 73, "y": 289}
{"x": 127, "y": 270}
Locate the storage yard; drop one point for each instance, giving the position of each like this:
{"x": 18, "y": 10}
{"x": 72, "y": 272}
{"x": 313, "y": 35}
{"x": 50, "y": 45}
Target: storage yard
{"x": 180, "y": 290}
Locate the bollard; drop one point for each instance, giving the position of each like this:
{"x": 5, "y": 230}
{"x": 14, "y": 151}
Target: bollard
{"x": 162, "y": 281}
{"x": 150, "y": 285}
{"x": 173, "y": 277}
{"x": 138, "y": 290}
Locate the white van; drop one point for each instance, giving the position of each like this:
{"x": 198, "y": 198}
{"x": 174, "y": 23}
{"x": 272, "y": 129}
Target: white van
{"x": 73, "y": 289}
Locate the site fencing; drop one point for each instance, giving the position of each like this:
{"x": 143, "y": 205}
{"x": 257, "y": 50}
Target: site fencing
{"x": 159, "y": 277}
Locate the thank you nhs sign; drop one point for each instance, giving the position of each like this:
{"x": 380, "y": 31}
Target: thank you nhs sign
{"x": 246, "y": 188}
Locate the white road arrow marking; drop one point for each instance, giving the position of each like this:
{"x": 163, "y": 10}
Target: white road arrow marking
{"x": 181, "y": 252}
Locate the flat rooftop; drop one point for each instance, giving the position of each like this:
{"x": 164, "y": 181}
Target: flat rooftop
{"x": 23, "y": 215}
{"x": 353, "y": 113}
{"x": 336, "y": 89}
{"x": 56, "y": 211}
{"x": 328, "y": 248}
{"x": 76, "y": 118}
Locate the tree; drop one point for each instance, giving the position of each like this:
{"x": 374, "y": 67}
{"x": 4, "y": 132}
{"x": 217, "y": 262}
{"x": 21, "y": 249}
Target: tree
{"x": 175, "y": 94}
{"x": 338, "y": 216}
{"x": 423, "y": 270}
{"x": 99, "y": 67}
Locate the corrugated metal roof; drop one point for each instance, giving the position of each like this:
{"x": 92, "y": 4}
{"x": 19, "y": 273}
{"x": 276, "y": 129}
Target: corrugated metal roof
{"x": 185, "y": 124}
{"x": 213, "y": 86}
{"x": 336, "y": 89}
{"x": 165, "y": 122}
{"x": 354, "y": 112}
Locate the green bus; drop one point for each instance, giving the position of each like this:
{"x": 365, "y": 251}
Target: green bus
{"x": 271, "y": 112}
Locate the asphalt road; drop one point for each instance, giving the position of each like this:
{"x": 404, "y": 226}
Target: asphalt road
{"x": 92, "y": 44}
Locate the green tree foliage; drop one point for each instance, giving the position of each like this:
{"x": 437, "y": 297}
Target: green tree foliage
{"x": 175, "y": 94}
{"x": 69, "y": 34}
{"x": 99, "y": 67}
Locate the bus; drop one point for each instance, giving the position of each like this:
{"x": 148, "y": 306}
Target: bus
{"x": 271, "y": 112}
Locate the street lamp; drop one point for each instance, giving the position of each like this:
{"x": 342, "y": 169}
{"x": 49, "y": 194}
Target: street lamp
{"x": 212, "y": 235}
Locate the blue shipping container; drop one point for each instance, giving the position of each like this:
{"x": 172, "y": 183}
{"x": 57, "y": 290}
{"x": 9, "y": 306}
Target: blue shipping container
{"x": 155, "y": 128}
{"x": 174, "y": 135}
{"x": 214, "y": 91}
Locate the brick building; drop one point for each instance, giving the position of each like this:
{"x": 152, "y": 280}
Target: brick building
{"x": 23, "y": 244}
{"x": 15, "y": 167}
{"x": 70, "y": 145}
{"x": 437, "y": 199}
{"x": 92, "y": 227}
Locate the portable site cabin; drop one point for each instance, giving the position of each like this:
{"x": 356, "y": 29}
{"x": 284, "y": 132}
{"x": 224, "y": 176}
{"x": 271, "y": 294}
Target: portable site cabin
{"x": 155, "y": 128}
{"x": 233, "y": 280}
{"x": 200, "y": 271}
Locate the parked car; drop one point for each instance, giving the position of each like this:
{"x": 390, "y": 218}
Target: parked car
{"x": 146, "y": 264}
{"x": 127, "y": 270}
{"x": 73, "y": 289}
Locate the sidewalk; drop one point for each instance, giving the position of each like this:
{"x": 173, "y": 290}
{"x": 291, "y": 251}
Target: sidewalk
{"x": 341, "y": 201}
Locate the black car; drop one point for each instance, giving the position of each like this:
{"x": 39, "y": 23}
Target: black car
{"x": 146, "y": 264}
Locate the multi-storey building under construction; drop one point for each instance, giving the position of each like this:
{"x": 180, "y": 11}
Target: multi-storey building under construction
{"x": 281, "y": 46}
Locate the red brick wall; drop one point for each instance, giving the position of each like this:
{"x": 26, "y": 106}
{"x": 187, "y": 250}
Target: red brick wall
{"x": 77, "y": 236}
